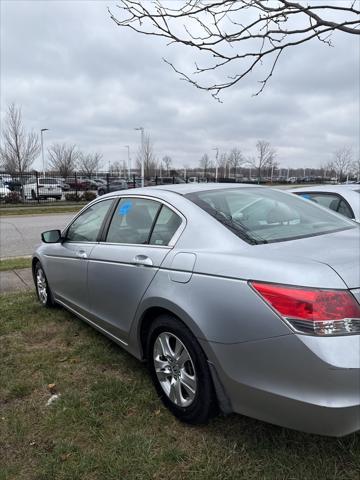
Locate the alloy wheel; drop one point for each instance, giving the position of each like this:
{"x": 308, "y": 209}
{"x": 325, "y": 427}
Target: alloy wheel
{"x": 41, "y": 286}
{"x": 174, "y": 369}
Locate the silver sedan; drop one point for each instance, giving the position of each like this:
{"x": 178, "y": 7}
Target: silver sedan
{"x": 241, "y": 298}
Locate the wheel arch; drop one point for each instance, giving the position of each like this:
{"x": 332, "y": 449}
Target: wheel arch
{"x": 145, "y": 321}
{"x": 150, "y": 312}
{"x": 34, "y": 261}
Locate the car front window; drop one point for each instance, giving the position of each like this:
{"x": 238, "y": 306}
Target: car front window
{"x": 86, "y": 227}
{"x": 262, "y": 215}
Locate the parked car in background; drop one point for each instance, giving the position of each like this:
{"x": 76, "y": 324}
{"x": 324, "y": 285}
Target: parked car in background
{"x": 165, "y": 181}
{"x": 235, "y": 307}
{"x": 192, "y": 180}
{"x": 113, "y": 187}
{"x": 5, "y": 178}
{"x": 99, "y": 181}
{"x": 65, "y": 187}
{"x": 292, "y": 180}
{"x": 344, "y": 199}
{"x": 82, "y": 183}
{"x": 14, "y": 184}
{"x": 130, "y": 183}
{"x": 42, "y": 188}
{"x": 4, "y": 190}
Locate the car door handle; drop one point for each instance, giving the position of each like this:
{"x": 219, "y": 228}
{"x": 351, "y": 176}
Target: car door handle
{"x": 81, "y": 254}
{"x": 142, "y": 260}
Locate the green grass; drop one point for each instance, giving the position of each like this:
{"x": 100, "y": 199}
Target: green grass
{"x": 109, "y": 424}
{"x": 14, "y": 263}
{"x": 4, "y": 212}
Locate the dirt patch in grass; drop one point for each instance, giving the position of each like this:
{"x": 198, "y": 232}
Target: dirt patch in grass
{"x": 109, "y": 424}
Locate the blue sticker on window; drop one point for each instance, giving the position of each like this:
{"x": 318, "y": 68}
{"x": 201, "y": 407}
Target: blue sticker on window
{"x": 305, "y": 195}
{"x": 125, "y": 207}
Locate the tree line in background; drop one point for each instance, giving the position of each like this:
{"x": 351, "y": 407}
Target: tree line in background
{"x": 19, "y": 149}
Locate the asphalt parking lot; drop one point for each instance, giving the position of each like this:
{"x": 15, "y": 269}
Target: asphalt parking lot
{"x": 20, "y": 234}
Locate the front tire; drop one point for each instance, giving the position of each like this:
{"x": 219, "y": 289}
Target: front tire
{"x": 42, "y": 287}
{"x": 180, "y": 371}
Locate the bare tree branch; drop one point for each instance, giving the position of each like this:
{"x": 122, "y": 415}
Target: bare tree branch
{"x": 237, "y": 33}
{"x": 63, "y": 158}
{"x": 18, "y": 149}
{"x": 205, "y": 163}
{"x": 90, "y": 163}
{"x": 265, "y": 157}
{"x": 167, "y": 162}
{"x": 342, "y": 162}
{"x": 235, "y": 158}
{"x": 149, "y": 157}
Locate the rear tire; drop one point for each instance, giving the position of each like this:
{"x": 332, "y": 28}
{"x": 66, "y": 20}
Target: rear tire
{"x": 180, "y": 371}
{"x": 43, "y": 291}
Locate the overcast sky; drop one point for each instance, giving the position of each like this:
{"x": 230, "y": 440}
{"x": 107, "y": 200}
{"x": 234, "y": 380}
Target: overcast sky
{"x": 73, "y": 71}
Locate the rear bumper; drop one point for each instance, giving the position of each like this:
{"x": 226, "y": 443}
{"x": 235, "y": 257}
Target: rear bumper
{"x": 299, "y": 382}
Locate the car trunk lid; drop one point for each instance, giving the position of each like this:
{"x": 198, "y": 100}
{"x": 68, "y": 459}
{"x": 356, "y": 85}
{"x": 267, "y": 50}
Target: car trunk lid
{"x": 340, "y": 251}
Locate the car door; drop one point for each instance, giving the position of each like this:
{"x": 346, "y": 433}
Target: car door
{"x": 123, "y": 264}
{"x": 67, "y": 261}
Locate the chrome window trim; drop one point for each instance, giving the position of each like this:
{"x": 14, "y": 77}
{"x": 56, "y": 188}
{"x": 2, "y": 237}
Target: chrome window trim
{"x": 136, "y": 245}
{"x": 171, "y": 243}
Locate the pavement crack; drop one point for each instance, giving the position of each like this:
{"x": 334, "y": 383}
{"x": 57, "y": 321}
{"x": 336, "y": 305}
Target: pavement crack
{"x": 15, "y": 227}
{"x": 23, "y": 281}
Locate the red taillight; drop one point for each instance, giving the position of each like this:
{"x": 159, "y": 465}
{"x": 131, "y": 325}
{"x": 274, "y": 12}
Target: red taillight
{"x": 311, "y": 310}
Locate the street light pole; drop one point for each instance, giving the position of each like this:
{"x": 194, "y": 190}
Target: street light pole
{"x": 129, "y": 160}
{"x": 42, "y": 149}
{"x": 142, "y": 154}
{"x": 216, "y": 162}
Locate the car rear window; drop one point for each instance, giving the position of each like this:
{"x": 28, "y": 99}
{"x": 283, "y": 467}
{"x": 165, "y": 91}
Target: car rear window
{"x": 262, "y": 215}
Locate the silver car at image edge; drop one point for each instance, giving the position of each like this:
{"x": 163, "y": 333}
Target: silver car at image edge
{"x": 241, "y": 298}
{"x": 344, "y": 199}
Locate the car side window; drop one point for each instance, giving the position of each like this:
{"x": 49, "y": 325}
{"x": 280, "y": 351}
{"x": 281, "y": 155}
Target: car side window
{"x": 86, "y": 227}
{"x": 132, "y": 221}
{"x": 333, "y": 201}
{"x": 166, "y": 225}
{"x": 327, "y": 200}
{"x": 345, "y": 210}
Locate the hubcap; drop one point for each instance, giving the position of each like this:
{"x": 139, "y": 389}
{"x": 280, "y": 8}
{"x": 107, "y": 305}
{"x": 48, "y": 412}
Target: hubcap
{"x": 41, "y": 286}
{"x": 174, "y": 369}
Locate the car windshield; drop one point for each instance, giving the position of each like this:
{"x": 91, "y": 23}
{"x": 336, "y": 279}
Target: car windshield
{"x": 262, "y": 215}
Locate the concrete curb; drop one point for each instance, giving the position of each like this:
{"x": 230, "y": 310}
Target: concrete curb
{"x": 16, "y": 280}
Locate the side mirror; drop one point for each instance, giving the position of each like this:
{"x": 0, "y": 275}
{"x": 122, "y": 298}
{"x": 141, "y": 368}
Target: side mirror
{"x": 51, "y": 236}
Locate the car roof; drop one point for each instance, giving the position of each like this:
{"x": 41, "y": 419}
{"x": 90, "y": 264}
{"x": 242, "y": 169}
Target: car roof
{"x": 328, "y": 188}
{"x": 180, "y": 189}
{"x": 185, "y": 188}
